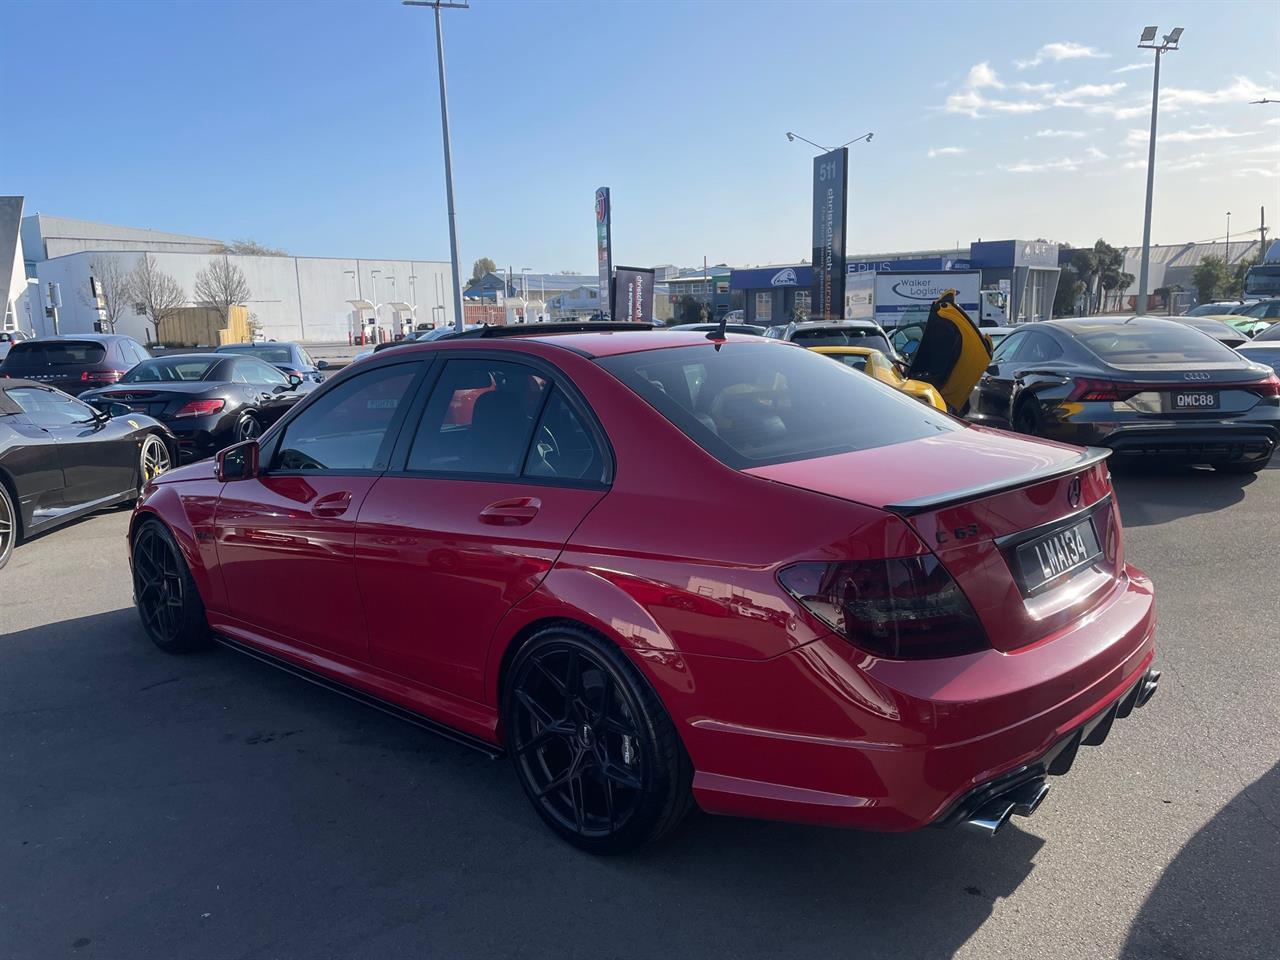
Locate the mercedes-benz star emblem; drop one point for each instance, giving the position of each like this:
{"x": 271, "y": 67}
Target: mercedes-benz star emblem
{"x": 1073, "y": 492}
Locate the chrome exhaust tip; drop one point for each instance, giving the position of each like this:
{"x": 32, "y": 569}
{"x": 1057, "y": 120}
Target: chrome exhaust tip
{"x": 1147, "y": 689}
{"x": 1027, "y": 798}
{"x": 991, "y": 816}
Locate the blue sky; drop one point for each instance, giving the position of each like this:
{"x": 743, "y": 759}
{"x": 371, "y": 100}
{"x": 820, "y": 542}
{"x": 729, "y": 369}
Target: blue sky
{"x": 314, "y": 125}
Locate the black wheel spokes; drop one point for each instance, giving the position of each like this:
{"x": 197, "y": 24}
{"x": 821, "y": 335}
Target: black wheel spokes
{"x": 158, "y": 584}
{"x": 577, "y": 740}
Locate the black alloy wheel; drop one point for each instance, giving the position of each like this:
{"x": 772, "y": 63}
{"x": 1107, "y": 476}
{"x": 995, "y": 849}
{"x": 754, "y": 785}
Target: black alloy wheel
{"x": 1026, "y": 419}
{"x": 8, "y": 526}
{"x": 592, "y": 745}
{"x": 166, "y": 596}
{"x": 248, "y": 428}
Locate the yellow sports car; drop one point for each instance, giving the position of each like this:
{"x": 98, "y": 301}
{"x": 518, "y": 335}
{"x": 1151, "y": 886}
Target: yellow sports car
{"x": 876, "y": 364}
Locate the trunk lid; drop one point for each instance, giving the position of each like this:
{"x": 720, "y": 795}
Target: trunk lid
{"x": 1027, "y": 528}
{"x": 153, "y": 399}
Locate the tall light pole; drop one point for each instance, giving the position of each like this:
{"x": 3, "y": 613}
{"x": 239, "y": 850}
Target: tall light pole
{"x": 1228, "y": 257}
{"x": 458, "y": 321}
{"x": 1147, "y": 42}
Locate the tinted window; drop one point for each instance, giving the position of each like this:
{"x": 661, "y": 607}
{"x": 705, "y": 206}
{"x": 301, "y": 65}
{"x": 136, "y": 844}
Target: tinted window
{"x": 1008, "y": 347}
{"x": 348, "y": 427}
{"x": 40, "y": 353}
{"x": 858, "y": 361}
{"x": 255, "y": 371}
{"x": 834, "y": 337}
{"x": 562, "y": 445}
{"x": 1271, "y": 333}
{"x": 750, "y": 404}
{"x": 1038, "y": 347}
{"x": 48, "y": 408}
{"x": 271, "y": 354}
{"x": 479, "y": 419}
{"x": 163, "y": 369}
{"x": 1125, "y": 345}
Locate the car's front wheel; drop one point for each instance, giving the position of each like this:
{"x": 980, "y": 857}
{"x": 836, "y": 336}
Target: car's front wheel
{"x": 592, "y": 745}
{"x": 166, "y": 596}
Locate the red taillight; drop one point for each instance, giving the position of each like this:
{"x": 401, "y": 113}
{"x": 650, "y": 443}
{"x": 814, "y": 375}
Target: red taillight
{"x": 907, "y": 608}
{"x": 1087, "y": 388}
{"x": 101, "y": 376}
{"x": 1268, "y": 389}
{"x": 200, "y": 408}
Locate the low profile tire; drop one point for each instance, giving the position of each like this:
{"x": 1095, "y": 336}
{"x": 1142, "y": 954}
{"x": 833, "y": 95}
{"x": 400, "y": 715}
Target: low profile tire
{"x": 165, "y": 594}
{"x": 8, "y": 525}
{"x": 153, "y": 459}
{"x": 1242, "y": 467}
{"x": 248, "y": 428}
{"x": 1026, "y": 419}
{"x": 593, "y": 747}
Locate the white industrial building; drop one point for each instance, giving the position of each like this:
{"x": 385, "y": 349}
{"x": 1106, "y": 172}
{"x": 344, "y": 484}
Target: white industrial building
{"x": 312, "y": 299}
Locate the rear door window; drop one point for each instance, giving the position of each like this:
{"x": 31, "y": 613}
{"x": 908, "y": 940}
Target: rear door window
{"x": 751, "y": 404}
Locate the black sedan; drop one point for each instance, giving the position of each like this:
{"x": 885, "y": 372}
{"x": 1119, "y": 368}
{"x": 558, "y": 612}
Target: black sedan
{"x": 1140, "y": 385}
{"x": 287, "y": 357}
{"x": 208, "y": 400}
{"x": 61, "y": 459}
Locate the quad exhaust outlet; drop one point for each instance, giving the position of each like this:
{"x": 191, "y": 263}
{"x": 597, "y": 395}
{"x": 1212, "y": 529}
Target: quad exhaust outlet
{"x": 1021, "y": 801}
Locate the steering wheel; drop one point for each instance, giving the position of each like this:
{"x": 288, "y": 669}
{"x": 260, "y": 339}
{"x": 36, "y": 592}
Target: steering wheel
{"x": 547, "y": 447}
{"x": 297, "y": 460}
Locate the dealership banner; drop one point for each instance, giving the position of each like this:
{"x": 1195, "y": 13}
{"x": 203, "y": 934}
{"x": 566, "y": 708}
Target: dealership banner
{"x": 633, "y": 295}
{"x": 604, "y": 255}
{"x": 830, "y": 184}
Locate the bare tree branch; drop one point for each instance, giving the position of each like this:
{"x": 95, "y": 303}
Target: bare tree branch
{"x": 159, "y": 295}
{"x": 113, "y": 282}
{"x": 220, "y": 286}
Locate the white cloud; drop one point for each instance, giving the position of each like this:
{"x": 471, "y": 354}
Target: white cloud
{"x": 1087, "y": 91}
{"x": 971, "y": 101}
{"x": 1192, "y": 134}
{"x": 947, "y": 152}
{"x": 1273, "y": 122}
{"x": 1257, "y": 172}
{"x": 1133, "y": 66}
{"x": 1069, "y": 134}
{"x": 1093, "y": 153}
{"x": 1064, "y": 164}
{"x": 1241, "y": 90}
{"x": 1064, "y": 50}
{"x": 981, "y": 75}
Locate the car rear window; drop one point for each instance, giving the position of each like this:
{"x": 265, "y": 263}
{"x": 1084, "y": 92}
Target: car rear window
{"x": 751, "y": 404}
{"x": 1120, "y": 345}
{"x": 43, "y": 353}
{"x": 167, "y": 370}
{"x": 269, "y": 354}
{"x": 835, "y": 337}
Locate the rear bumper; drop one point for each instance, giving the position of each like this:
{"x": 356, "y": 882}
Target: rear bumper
{"x": 831, "y": 736}
{"x": 1196, "y": 442}
{"x": 197, "y": 437}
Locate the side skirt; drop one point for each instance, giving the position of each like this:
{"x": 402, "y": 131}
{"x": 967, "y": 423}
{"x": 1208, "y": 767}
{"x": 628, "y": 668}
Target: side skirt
{"x": 369, "y": 700}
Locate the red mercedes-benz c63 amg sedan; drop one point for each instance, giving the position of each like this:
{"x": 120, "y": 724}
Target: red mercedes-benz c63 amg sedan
{"x": 659, "y": 568}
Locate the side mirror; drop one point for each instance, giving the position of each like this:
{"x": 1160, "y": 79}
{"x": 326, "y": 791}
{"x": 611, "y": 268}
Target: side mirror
{"x": 238, "y": 462}
{"x": 322, "y": 364}
{"x": 295, "y": 380}
{"x": 113, "y": 410}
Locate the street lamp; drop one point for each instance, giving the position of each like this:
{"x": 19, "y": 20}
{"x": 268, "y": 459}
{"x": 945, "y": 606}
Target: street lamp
{"x": 1228, "y": 236}
{"x": 793, "y": 137}
{"x": 1147, "y": 42}
{"x": 458, "y": 320}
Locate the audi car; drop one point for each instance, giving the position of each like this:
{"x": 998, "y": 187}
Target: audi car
{"x": 76, "y": 362}
{"x": 288, "y": 358}
{"x": 208, "y": 400}
{"x": 532, "y": 539}
{"x": 61, "y": 459}
{"x": 1141, "y": 386}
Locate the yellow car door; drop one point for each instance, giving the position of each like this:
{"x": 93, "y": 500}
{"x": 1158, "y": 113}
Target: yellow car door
{"x": 952, "y": 353}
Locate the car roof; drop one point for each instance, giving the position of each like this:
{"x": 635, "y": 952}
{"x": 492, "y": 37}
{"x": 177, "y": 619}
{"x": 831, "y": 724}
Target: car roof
{"x": 99, "y": 337}
{"x": 1072, "y": 324}
{"x": 192, "y": 355}
{"x": 232, "y": 347}
{"x": 592, "y": 345}
{"x": 1267, "y": 345}
{"x": 835, "y": 350}
{"x": 842, "y": 324}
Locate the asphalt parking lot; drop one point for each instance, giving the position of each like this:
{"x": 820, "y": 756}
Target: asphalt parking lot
{"x": 210, "y": 807}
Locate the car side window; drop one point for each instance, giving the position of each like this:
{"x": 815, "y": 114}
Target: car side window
{"x": 1039, "y": 348}
{"x": 563, "y": 447}
{"x": 1008, "y": 347}
{"x": 479, "y": 419}
{"x": 349, "y": 427}
{"x": 255, "y": 371}
{"x": 48, "y": 408}
{"x": 239, "y": 371}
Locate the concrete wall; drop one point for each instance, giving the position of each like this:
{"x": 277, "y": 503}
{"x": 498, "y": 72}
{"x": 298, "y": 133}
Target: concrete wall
{"x": 294, "y": 298}
{"x": 46, "y": 237}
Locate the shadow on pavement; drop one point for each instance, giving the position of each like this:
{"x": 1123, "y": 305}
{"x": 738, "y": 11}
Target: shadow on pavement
{"x": 1155, "y": 493}
{"x": 209, "y": 806}
{"x": 1220, "y": 897}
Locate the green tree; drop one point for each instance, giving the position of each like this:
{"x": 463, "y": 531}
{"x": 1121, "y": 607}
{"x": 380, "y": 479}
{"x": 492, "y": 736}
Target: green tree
{"x": 1211, "y": 277}
{"x": 1070, "y": 286}
{"x": 1085, "y": 264}
{"x": 1234, "y": 289}
{"x": 249, "y": 248}
{"x": 482, "y": 267}
{"x": 1110, "y": 263}
{"x": 691, "y": 311}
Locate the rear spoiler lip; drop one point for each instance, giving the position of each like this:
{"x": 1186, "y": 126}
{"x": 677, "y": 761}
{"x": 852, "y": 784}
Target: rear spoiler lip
{"x": 1086, "y": 458}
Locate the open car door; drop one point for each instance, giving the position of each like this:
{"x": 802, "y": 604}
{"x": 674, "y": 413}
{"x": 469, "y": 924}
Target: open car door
{"x": 952, "y": 353}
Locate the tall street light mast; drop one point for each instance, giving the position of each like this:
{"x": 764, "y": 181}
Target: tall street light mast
{"x": 1147, "y": 42}
{"x": 458, "y": 321}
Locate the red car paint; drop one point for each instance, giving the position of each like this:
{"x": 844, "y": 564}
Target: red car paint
{"x": 417, "y": 590}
